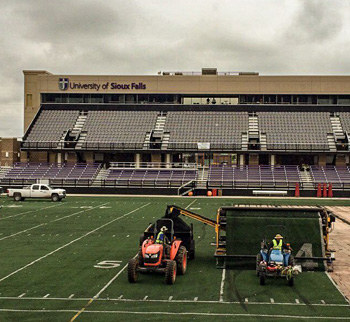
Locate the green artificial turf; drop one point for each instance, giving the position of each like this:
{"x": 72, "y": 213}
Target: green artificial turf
{"x": 49, "y": 250}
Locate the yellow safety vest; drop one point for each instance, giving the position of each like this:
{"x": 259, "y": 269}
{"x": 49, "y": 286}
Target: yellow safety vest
{"x": 277, "y": 246}
{"x": 159, "y": 239}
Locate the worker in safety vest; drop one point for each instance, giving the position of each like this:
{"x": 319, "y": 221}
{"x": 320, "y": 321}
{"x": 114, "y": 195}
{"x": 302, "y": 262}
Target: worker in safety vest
{"x": 278, "y": 244}
{"x": 161, "y": 238}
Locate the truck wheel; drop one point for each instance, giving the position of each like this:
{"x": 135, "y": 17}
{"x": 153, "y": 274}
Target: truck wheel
{"x": 133, "y": 272}
{"x": 291, "y": 281}
{"x": 55, "y": 197}
{"x": 259, "y": 258}
{"x": 262, "y": 278}
{"x": 17, "y": 197}
{"x": 181, "y": 260}
{"x": 170, "y": 272}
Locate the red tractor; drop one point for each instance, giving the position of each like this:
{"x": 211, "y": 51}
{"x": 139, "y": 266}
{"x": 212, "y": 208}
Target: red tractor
{"x": 166, "y": 257}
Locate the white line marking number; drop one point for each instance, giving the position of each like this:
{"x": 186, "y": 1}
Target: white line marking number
{"x": 108, "y": 264}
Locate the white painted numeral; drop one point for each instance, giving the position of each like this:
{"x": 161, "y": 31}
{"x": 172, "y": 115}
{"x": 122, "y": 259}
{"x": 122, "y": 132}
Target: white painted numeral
{"x": 108, "y": 264}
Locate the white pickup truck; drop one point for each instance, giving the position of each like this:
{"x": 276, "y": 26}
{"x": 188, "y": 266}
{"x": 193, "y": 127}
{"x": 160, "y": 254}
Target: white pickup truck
{"x": 37, "y": 191}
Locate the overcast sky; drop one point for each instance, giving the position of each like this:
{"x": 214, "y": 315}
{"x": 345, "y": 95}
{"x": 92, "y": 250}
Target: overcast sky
{"x": 146, "y": 36}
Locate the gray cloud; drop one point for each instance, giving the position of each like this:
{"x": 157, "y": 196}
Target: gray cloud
{"x": 143, "y": 37}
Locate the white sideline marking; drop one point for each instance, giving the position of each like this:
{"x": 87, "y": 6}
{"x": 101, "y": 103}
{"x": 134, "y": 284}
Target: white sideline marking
{"x": 272, "y": 300}
{"x": 191, "y": 203}
{"x": 337, "y": 287}
{"x": 297, "y": 301}
{"x": 145, "y": 298}
{"x": 71, "y": 296}
{"x": 246, "y": 300}
{"x": 71, "y": 242}
{"x": 121, "y": 299}
{"x": 170, "y": 298}
{"x": 195, "y": 299}
{"x": 30, "y": 211}
{"x": 46, "y": 296}
{"x": 22, "y": 295}
{"x": 43, "y": 224}
{"x": 298, "y": 317}
{"x": 221, "y": 299}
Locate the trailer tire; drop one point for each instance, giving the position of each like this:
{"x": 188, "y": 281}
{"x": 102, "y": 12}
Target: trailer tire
{"x": 133, "y": 272}
{"x": 291, "y": 261}
{"x": 170, "y": 272}
{"x": 181, "y": 260}
{"x": 259, "y": 258}
{"x": 262, "y": 278}
{"x": 17, "y": 196}
{"x": 55, "y": 197}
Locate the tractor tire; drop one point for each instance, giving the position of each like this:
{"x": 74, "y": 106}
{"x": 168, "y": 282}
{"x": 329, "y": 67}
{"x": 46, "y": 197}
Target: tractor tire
{"x": 291, "y": 281}
{"x": 262, "y": 278}
{"x": 291, "y": 261}
{"x": 133, "y": 272}
{"x": 55, "y": 197}
{"x": 17, "y": 197}
{"x": 181, "y": 260}
{"x": 170, "y": 272}
{"x": 140, "y": 257}
{"x": 259, "y": 258}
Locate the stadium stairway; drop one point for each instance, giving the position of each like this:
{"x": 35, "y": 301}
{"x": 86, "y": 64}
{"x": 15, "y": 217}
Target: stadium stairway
{"x": 337, "y": 128}
{"x": 306, "y": 180}
{"x": 102, "y": 175}
{"x": 331, "y": 142}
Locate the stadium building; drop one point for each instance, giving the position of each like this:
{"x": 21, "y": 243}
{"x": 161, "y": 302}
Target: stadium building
{"x": 226, "y": 130}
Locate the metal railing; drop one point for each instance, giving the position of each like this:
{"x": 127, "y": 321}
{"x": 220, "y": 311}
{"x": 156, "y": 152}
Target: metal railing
{"x": 155, "y": 165}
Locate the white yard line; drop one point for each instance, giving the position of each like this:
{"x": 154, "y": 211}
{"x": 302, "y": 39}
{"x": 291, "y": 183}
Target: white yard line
{"x": 110, "y": 282}
{"x": 30, "y": 211}
{"x": 71, "y": 242}
{"x": 298, "y": 317}
{"x": 71, "y": 296}
{"x": 23, "y": 231}
{"x": 121, "y": 299}
{"x": 43, "y": 224}
{"x": 221, "y": 299}
{"x": 191, "y": 203}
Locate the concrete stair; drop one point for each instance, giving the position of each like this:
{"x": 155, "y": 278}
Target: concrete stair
{"x": 307, "y": 181}
{"x": 331, "y": 142}
{"x": 244, "y": 141}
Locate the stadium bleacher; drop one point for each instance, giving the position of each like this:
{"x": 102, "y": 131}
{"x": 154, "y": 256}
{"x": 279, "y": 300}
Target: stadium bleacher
{"x": 253, "y": 176}
{"x": 50, "y": 127}
{"x": 295, "y": 129}
{"x": 27, "y": 173}
{"x": 149, "y": 177}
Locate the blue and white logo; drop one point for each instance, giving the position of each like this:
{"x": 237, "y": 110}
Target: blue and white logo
{"x": 63, "y": 84}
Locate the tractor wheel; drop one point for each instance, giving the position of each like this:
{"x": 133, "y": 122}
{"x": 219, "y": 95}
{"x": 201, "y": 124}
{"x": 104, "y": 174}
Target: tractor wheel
{"x": 55, "y": 197}
{"x": 259, "y": 258}
{"x": 291, "y": 281}
{"x": 140, "y": 257}
{"x": 170, "y": 272}
{"x": 291, "y": 261}
{"x": 17, "y": 197}
{"x": 181, "y": 260}
{"x": 262, "y": 278}
{"x": 142, "y": 238}
{"x": 133, "y": 272}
